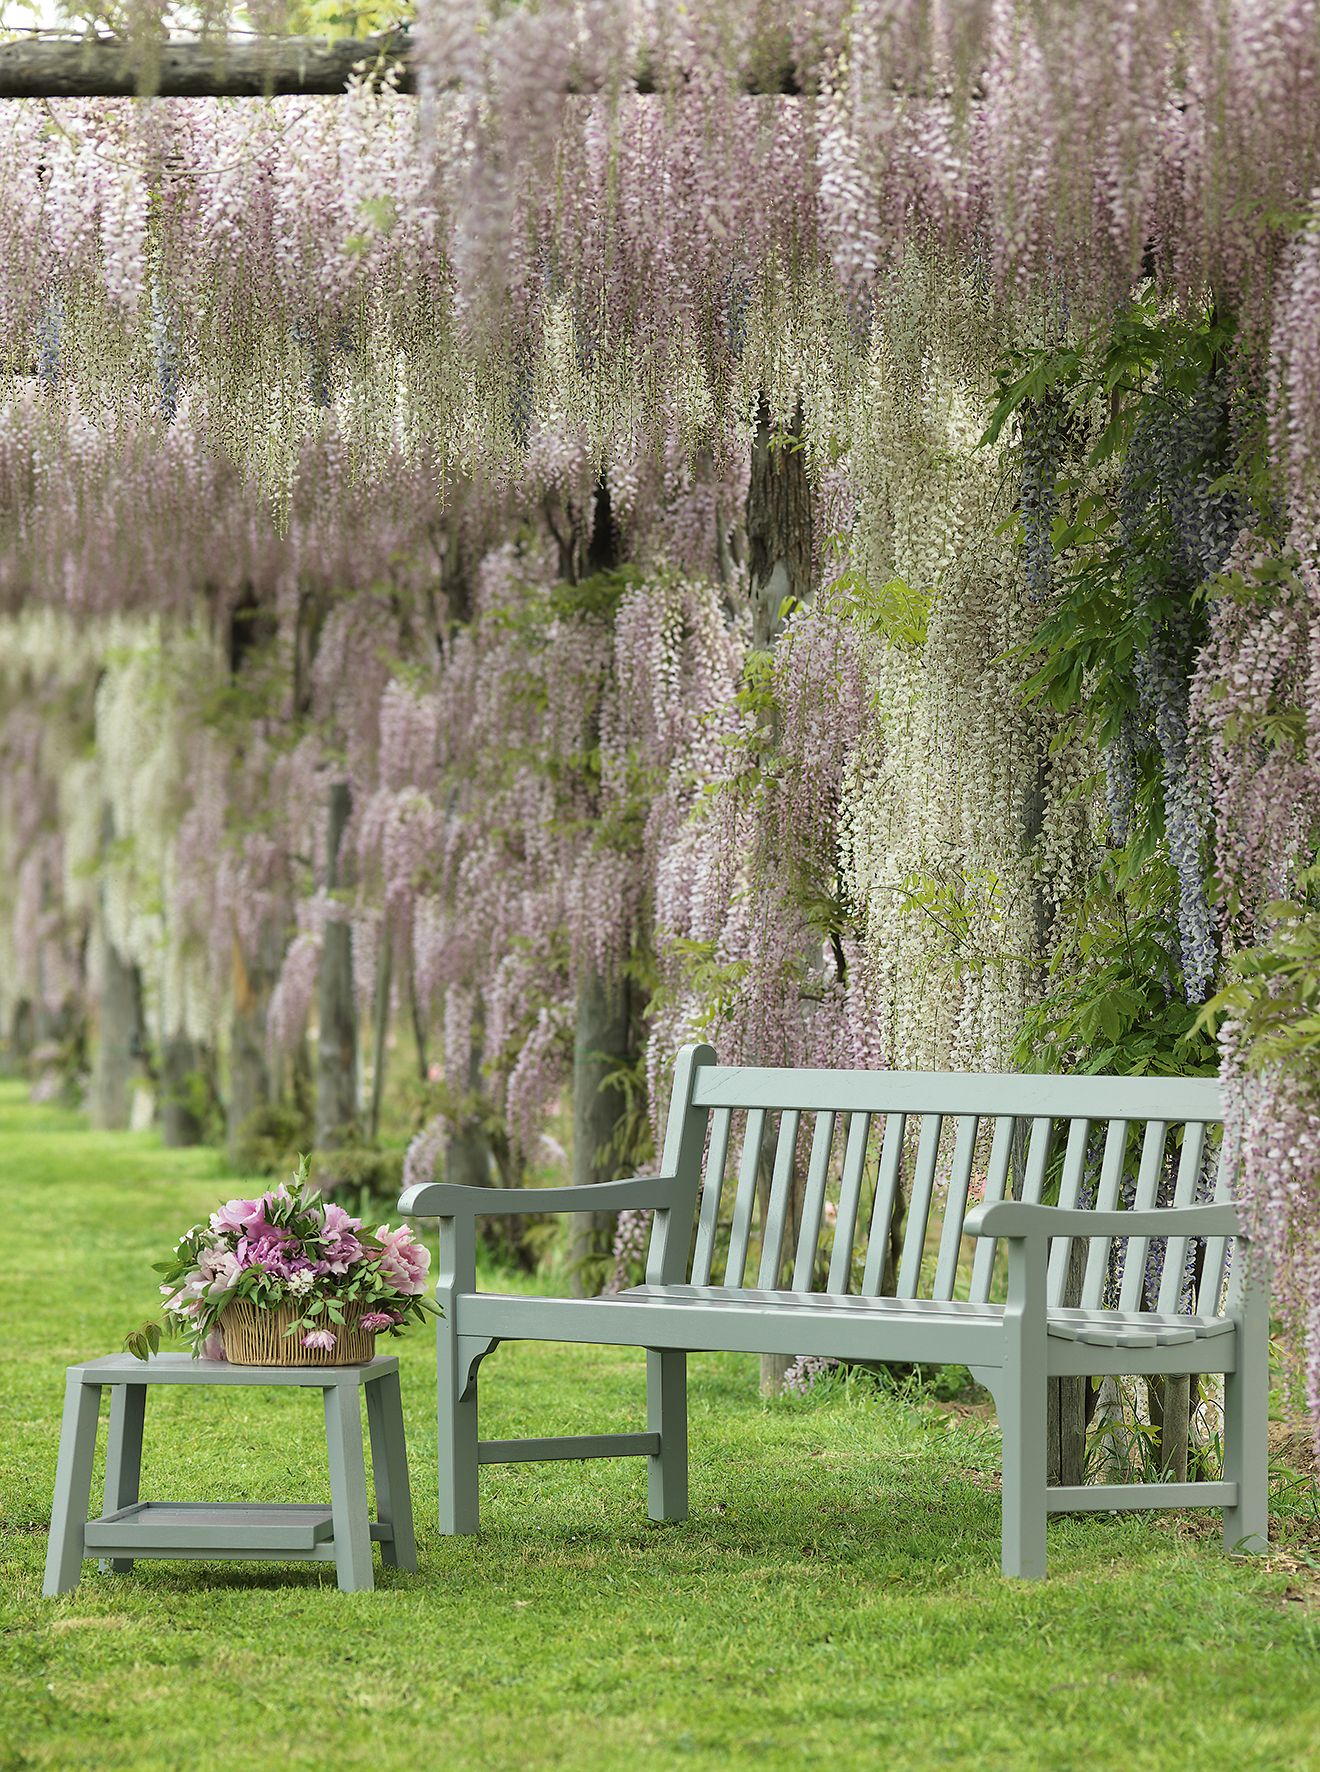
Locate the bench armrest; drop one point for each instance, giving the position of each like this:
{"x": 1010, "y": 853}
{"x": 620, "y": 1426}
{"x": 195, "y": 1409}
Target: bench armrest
{"x": 444, "y": 1199}
{"x": 1015, "y": 1218}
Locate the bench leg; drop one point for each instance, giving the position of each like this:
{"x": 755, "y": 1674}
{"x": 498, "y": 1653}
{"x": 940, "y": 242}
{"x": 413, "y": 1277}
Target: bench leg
{"x": 73, "y": 1486}
{"x": 123, "y": 1458}
{"x": 460, "y": 1496}
{"x": 1022, "y": 1408}
{"x": 389, "y": 1463}
{"x": 348, "y": 1487}
{"x": 1246, "y": 1427}
{"x": 666, "y": 1415}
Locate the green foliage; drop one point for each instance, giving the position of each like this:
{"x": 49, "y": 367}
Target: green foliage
{"x": 269, "y": 1139}
{"x": 1124, "y": 592}
{"x": 897, "y": 611}
{"x": 363, "y": 1178}
{"x": 1273, "y": 989}
{"x": 1119, "y": 586}
{"x": 1114, "y": 1002}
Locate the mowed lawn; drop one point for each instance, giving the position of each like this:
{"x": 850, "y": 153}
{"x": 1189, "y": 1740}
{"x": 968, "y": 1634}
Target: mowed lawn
{"x": 834, "y": 1600}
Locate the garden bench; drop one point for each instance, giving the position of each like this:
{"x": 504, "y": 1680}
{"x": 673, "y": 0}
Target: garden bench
{"x": 1105, "y": 1150}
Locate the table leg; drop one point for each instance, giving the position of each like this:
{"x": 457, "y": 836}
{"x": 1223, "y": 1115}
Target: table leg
{"x": 348, "y": 1486}
{"x": 73, "y": 1485}
{"x": 389, "y": 1462}
{"x": 123, "y": 1459}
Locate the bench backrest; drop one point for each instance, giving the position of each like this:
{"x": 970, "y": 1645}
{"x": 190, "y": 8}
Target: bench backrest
{"x": 799, "y": 1178}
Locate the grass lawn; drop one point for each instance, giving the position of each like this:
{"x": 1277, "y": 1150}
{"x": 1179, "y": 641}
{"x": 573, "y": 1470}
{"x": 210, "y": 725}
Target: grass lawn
{"x": 834, "y": 1601}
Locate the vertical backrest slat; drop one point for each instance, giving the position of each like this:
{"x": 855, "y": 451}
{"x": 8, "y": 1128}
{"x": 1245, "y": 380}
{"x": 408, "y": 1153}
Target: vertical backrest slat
{"x": 882, "y": 1212}
{"x": 1106, "y": 1200}
{"x": 718, "y": 1155}
{"x": 1131, "y": 1295}
{"x": 923, "y": 1188}
{"x": 1038, "y": 1159}
{"x": 780, "y": 1204}
{"x": 1184, "y": 1192}
{"x": 813, "y": 1201}
{"x": 955, "y": 1207}
{"x": 745, "y": 1198}
{"x": 996, "y": 1180}
{"x": 680, "y": 1157}
{"x": 1070, "y": 1186}
{"x": 850, "y": 1193}
{"x": 1209, "y": 1294}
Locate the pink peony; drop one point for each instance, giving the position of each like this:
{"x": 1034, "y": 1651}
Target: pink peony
{"x": 338, "y": 1223}
{"x": 220, "y": 1269}
{"x": 378, "y": 1320}
{"x": 402, "y": 1262}
{"x": 342, "y": 1248}
{"x": 266, "y": 1252}
{"x": 238, "y": 1215}
{"x": 323, "y": 1339}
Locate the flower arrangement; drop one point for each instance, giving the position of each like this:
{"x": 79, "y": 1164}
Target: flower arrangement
{"x": 288, "y": 1279}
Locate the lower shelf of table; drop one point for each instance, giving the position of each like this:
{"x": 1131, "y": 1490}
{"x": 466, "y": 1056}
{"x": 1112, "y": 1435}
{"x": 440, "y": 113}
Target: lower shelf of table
{"x": 218, "y": 1529}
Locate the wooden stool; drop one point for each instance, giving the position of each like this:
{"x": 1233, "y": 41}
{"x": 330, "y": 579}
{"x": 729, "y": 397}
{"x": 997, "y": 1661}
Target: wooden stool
{"x": 129, "y": 1528}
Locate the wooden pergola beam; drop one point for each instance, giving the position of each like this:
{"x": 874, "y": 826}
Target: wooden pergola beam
{"x": 222, "y": 67}
{"x": 229, "y": 67}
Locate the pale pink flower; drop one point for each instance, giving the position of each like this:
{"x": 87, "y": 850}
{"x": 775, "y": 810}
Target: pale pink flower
{"x": 402, "y": 1262}
{"x": 378, "y": 1320}
{"x": 238, "y": 1215}
{"x": 321, "y": 1339}
{"x": 220, "y": 1269}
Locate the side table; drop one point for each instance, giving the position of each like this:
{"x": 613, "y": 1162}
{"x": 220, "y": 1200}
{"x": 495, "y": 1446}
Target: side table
{"x": 129, "y": 1528}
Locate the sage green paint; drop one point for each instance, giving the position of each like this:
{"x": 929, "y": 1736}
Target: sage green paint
{"x": 129, "y": 1528}
{"x": 1014, "y": 1348}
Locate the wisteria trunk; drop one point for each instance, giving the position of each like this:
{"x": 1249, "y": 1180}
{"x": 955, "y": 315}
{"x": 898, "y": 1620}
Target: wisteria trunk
{"x": 602, "y": 1043}
{"x": 336, "y": 1046}
{"x": 184, "y": 1090}
{"x": 250, "y": 1082}
{"x": 120, "y": 1036}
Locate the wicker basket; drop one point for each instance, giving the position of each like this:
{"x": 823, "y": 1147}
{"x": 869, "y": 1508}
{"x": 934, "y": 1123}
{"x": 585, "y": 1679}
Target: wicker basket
{"x": 255, "y": 1337}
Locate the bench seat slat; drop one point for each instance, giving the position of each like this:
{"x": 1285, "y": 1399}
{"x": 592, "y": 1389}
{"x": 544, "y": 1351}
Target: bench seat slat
{"x": 1069, "y": 1323}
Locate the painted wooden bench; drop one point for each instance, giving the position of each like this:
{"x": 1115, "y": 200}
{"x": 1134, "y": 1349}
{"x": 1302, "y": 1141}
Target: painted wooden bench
{"x": 802, "y": 1267}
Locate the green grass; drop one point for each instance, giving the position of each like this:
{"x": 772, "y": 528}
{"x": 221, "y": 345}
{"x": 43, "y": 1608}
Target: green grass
{"x": 834, "y": 1600}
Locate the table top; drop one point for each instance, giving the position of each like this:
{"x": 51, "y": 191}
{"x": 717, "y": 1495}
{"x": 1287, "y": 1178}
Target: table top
{"x": 184, "y": 1369}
